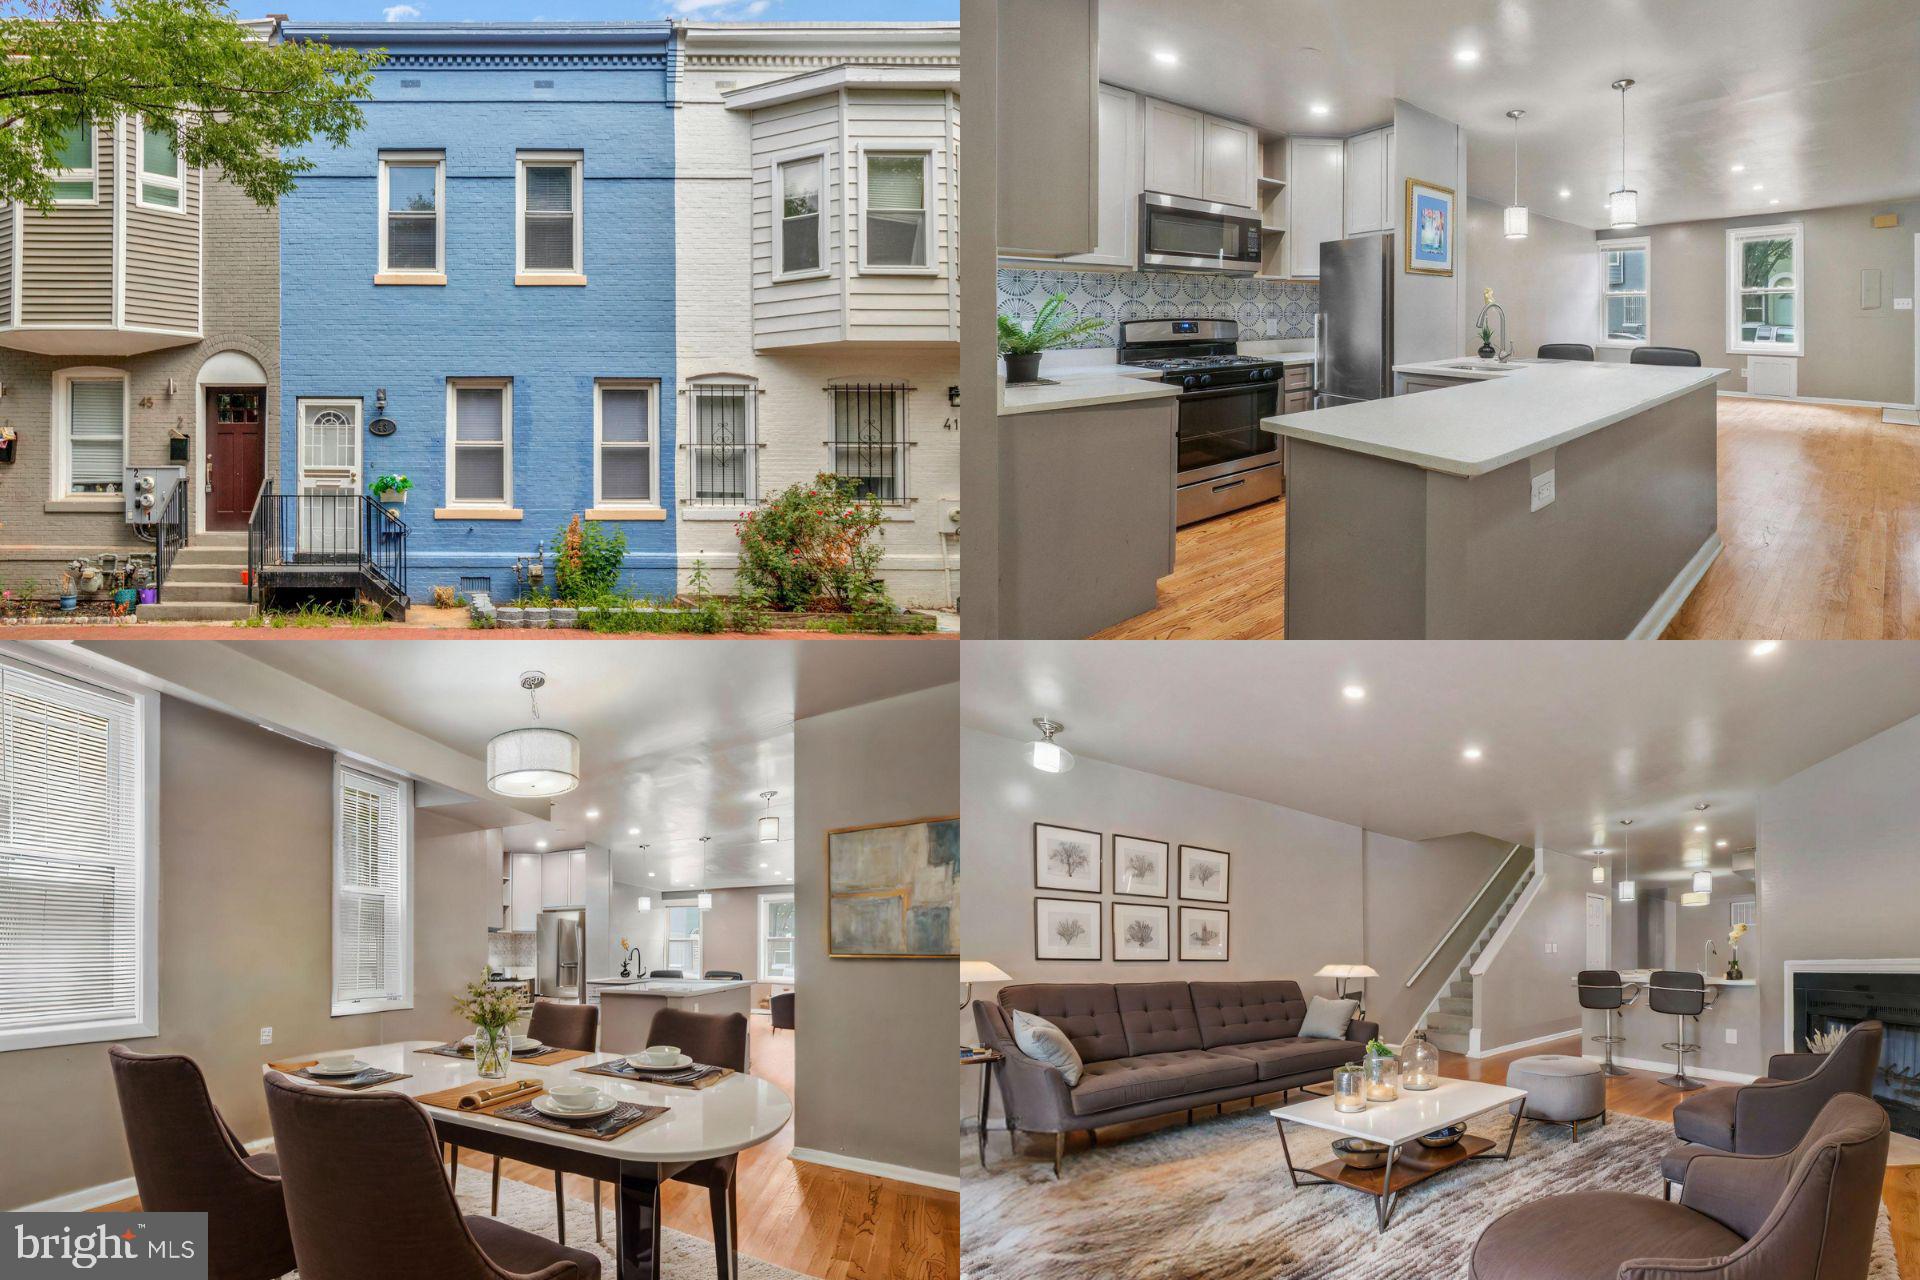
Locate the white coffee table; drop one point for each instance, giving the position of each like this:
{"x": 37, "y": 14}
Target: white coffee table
{"x": 1396, "y": 1124}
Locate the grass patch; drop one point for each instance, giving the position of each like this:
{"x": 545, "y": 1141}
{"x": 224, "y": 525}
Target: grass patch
{"x": 358, "y": 614}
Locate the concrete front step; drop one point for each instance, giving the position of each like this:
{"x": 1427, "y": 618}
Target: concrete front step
{"x": 178, "y": 592}
{"x": 236, "y": 556}
{"x": 194, "y": 611}
{"x": 224, "y": 574}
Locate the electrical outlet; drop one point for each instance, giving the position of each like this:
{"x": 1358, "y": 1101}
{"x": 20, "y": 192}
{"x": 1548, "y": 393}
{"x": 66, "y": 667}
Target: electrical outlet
{"x": 1733, "y": 1035}
{"x": 266, "y": 1035}
{"x": 1543, "y": 489}
{"x": 1903, "y": 304}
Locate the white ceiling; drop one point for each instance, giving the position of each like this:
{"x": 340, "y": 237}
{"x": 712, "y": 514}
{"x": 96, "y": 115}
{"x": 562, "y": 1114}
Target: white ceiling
{"x": 1820, "y": 101}
{"x": 676, "y": 739}
{"x": 1575, "y": 736}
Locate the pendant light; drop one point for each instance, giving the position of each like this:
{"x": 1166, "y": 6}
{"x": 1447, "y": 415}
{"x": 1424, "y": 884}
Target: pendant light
{"x": 704, "y": 902}
{"x": 769, "y": 824}
{"x": 1623, "y": 204}
{"x": 1625, "y": 889}
{"x": 1047, "y": 755}
{"x": 534, "y": 761}
{"x": 1516, "y": 212}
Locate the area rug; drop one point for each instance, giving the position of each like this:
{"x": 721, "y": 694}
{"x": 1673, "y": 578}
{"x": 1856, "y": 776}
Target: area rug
{"x": 1213, "y": 1200}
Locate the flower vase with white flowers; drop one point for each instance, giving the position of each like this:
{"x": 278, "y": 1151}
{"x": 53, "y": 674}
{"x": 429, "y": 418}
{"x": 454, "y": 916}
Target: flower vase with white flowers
{"x": 1734, "y": 935}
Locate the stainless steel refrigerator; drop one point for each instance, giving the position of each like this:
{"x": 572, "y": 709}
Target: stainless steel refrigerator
{"x": 560, "y": 940}
{"x": 1353, "y": 332}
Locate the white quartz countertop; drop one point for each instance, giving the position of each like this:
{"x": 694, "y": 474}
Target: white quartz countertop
{"x": 1479, "y": 370}
{"x": 667, "y": 987}
{"x": 1480, "y": 427}
{"x": 1642, "y": 975}
{"x": 1080, "y": 387}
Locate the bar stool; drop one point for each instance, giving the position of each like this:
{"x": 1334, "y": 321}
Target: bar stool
{"x": 1684, "y": 995}
{"x": 1602, "y": 989}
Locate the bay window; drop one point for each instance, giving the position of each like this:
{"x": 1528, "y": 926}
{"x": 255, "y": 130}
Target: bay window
{"x": 76, "y": 164}
{"x": 894, "y": 232}
{"x": 161, "y": 180}
{"x": 800, "y": 236}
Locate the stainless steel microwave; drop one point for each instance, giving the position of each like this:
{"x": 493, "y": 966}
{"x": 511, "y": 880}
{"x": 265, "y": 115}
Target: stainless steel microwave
{"x": 1178, "y": 234}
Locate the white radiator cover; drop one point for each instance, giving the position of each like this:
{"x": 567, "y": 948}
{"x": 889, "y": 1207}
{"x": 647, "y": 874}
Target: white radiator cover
{"x": 1773, "y": 376}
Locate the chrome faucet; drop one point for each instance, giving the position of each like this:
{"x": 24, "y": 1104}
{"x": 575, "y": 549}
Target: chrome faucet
{"x": 1502, "y": 351}
{"x": 1710, "y": 961}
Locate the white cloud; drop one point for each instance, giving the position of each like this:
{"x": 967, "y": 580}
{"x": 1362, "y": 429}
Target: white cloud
{"x": 400, "y": 12}
{"x": 714, "y": 10}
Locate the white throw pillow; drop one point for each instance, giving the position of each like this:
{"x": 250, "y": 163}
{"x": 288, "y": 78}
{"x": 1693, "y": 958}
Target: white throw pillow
{"x": 1040, "y": 1039}
{"x": 1328, "y": 1019}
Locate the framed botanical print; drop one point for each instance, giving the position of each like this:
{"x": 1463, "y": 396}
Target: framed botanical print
{"x": 1203, "y": 934}
{"x": 1429, "y": 230}
{"x": 1140, "y": 867}
{"x": 1066, "y": 929}
{"x": 1066, "y": 858}
{"x": 1139, "y": 932}
{"x": 1203, "y": 874}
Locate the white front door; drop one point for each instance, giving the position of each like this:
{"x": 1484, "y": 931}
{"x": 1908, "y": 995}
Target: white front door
{"x": 329, "y": 464}
{"x": 1597, "y": 931}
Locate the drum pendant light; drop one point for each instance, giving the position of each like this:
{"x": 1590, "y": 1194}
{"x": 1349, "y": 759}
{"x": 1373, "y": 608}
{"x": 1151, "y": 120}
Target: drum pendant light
{"x": 769, "y": 824}
{"x": 1625, "y": 889}
{"x": 1623, "y": 204}
{"x": 1516, "y": 220}
{"x": 534, "y": 761}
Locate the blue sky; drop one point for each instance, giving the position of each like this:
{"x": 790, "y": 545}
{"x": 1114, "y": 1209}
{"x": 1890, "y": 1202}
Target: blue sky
{"x": 615, "y": 10}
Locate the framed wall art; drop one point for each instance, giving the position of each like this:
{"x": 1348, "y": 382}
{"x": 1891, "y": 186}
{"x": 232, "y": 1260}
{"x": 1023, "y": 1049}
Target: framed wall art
{"x": 1203, "y": 874}
{"x": 1066, "y": 858}
{"x": 1203, "y": 934}
{"x": 1429, "y": 231}
{"x": 893, "y": 890}
{"x": 1140, "y": 932}
{"x": 1066, "y": 929}
{"x": 1140, "y": 867}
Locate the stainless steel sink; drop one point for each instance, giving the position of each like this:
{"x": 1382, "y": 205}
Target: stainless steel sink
{"x": 1489, "y": 365}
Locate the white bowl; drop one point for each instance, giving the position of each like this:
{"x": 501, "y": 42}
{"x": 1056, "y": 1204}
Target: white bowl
{"x": 575, "y": 1097}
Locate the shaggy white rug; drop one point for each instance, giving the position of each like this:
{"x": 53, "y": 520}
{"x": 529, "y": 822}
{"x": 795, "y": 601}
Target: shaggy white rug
{"x": 1213, "y": 1200}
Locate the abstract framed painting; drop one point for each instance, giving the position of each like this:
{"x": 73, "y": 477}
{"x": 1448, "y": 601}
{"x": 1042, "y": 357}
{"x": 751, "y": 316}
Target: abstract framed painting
{"x": 1066, "y": 858}
{"x": 893, "y": 891}
{"x": 1140, "y": 932}
{"x": 1140, "y": 867}
{"x": 1203, "y": 874}
{"x": 1066, "y": 929}
{"x": 1203, "y": 934}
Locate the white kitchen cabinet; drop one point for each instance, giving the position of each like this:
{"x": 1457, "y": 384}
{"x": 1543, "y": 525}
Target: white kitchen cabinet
{"x": 1316, "y": 201}
{"x": 1119, "y": 242}
{"x": 553, "y": 880}
{"x": 1048, "y": 118}
{"x": 577, "y": 878}
{"x": 1230, "y": 165}
{"x": 526, "y": 894}
{"x": 1369, "y": 169}
{"x": 1175, "y": 142}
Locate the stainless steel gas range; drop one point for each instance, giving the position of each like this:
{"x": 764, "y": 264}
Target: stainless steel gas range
{"x": 1225, "y": 459}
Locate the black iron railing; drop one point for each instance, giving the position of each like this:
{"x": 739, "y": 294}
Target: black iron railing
{"x": 336, "y": 529}
{"x": 168, "y": 537}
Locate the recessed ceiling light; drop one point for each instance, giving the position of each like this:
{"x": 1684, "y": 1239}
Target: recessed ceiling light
{"x": 1764, "y": 648}
{"x": 649, "y": 875}
{"x": 1471, "y": 753}
{"x": 1566, "y": 192}
{"x": 593, "y": 813}
{"x": 539, "y": 844}
{"x": 1759, "y": 186}
{"x": 1318, "y": 108}
{"x": 1739, "y": 168}
{"x": 1775, "y": 200}
{"x": 763, "y": 866}
{"x": 1166, "y": 57}
{"x": 1700, "y": 827}
{"x": 1354, "y": 693}
{"x": 1719, "y": 844}
{"x": 1466, "y": 57}
{"x": 633, "y": 831}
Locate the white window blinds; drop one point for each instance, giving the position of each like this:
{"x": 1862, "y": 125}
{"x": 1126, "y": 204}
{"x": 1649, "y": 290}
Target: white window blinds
{"x": 372, "y": 892}
{"x": 96, "y": 434}
{"x": 480, "y": 444}
{"x": 549, "y": 230}
{"x": 76, "y": 893}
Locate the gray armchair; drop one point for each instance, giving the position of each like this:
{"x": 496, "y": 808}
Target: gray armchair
{"x": 1771, "y": 1114}
{"x": 1805, "y": 1214}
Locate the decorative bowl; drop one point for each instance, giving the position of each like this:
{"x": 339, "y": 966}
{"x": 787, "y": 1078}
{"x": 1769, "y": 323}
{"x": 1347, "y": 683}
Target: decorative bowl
{"x": 1358, "y": 1153}
{"x": 1443, "y": 1137}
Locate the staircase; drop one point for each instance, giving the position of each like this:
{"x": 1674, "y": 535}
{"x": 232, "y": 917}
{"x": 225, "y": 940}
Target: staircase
{"x": 204, "y": 582}
{"x": 1449, "y": 1020}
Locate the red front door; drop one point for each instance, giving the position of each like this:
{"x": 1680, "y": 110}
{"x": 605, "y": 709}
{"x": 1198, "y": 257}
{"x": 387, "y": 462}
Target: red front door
{"x": 236, "y": 454}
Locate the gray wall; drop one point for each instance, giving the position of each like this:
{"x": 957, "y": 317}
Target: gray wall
{"x": 456, "y": 875}
{"x": 1427, "y": 321}
{"x": 1527, "y": 991}
{"x": 1414, "y": 893}
{"x": 1548, "y": 284}
{"x": 1852, "y": 353}
{"x": 646, "y": 930}
{"x": 1696, "y": 925}
{"x": 873, "y": 1067}
{"x": 1838, "y": 872}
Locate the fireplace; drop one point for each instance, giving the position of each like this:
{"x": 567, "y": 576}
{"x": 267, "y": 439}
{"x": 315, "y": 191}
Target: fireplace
{"x": 1839, "y": 995}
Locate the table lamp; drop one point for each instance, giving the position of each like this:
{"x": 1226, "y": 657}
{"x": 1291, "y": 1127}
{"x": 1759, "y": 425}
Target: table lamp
{"x": 1344, "y": 972}
{"x": 972, "y": 971}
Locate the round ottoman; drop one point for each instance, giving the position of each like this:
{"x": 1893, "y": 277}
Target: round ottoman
{"x": 1561, "y": 1089}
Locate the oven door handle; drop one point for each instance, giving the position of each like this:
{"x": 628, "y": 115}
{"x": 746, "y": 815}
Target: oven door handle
{"x": 1237, "y": 389}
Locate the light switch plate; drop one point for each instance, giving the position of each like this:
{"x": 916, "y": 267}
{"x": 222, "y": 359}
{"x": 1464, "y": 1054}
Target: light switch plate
{"x": 1733, "y": 1035}
{"x": 266, "y": 1035}
{"x": 1543, "y": 489}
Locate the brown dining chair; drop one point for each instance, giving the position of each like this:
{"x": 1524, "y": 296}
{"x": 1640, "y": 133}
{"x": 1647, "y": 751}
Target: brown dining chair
{"x": 719, "y": 1040}
{"x": 365, "y": 1196}
{"x": 186, "y": 1160}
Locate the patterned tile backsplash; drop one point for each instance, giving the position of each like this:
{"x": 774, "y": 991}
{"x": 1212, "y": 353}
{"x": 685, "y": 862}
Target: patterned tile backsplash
{"x": 507, "y": 951}
{"x": 1265, "y": 308}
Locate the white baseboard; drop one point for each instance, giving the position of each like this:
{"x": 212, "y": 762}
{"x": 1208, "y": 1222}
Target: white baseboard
{"x": 1666, "y": 1068}
{"x": 1475, "y": 1051}
{"x": 1848, "y": 404}
{"x": 106, "y": 1193}
{"x": 1657, "y": 618}
{"x": 877, "y": 1169}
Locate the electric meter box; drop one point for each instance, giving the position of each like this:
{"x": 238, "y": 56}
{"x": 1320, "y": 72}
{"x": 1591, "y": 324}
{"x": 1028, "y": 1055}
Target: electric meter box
{"x": 147, "y": 490}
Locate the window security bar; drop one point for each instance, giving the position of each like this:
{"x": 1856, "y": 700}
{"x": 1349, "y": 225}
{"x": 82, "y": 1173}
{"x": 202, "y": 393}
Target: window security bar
{"x": 871, "y": 439}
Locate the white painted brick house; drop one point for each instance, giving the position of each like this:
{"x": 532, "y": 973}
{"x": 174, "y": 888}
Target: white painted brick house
{"x": 819, "y": 327}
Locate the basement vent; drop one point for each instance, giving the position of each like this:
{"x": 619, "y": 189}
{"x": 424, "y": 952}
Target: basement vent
{"x": 471, "y": 586}
{"x": 409, "y": 84}
{"x": 1772, "y": 375}
{"x": 543, "y": 84}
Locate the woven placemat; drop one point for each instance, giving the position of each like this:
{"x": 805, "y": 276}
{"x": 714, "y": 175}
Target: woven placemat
{"x": 624, "y": 1116}
{"x": 538, "y": 1058}
{"x": 367, "y": 1079}
{"x": 694, "y": 1077}
{"x": 482, "y": 1095}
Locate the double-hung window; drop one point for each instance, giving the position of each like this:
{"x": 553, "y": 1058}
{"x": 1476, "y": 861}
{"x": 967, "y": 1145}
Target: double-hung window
{"x": 372, "y": 890}
{"x": 1764, "y": 271}
{"x": 480, "y": 442}
{"x": 683, "y": 938}
{"x": 626, "y": 422}
{"x": 894, "y": 232}
{"x": 413, "y": 213}
{"x": 549, "y": 235}
{"x": 76, "y": 164}
{"x": 722, "y": 446}
{"x": 1624, "y": 276}
{"x": 90, "y": 415}
{"x": 800, "y": 236}
{"x": 78, "y": 884}
{"x": 870, "y": 443}
{"x": 776, "y": 937}
{"x": 162, "y": 184}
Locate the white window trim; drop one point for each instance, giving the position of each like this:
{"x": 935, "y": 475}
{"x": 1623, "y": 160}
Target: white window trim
{"x": 91, "y": 173}
{"x": 690, "y": 507}
{"x": 439, "y": 162}
{"x": 348, "y": 1008}
{"x": 63, "y": 380}
{"x": 765, "y": 975}
{"x": 141, "y": 178}
{"x": 577, "y": 160}
{"x": 699, "y": 941}
{"x": 652, "y": 387}
{"x": 928, "y": 205}
{"x": 146, "y": 753}
{"x": 1780, "y": 230}
{"x": 1645, "y": 244}
{"x": 505, "y": 502}
{"x": 777, "y": 202}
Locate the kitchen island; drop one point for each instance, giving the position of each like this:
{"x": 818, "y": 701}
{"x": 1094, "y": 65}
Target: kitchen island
{"x": 627, "y": 1008}
{"x": 1552, "y": 500}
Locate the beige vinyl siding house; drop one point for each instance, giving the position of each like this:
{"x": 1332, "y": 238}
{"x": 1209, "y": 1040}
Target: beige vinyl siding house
{"x": 161, "y": 288}
{"x": 796, "y": 309}
{"x": 898, "y": 304}
{"x": 67, "y": 256}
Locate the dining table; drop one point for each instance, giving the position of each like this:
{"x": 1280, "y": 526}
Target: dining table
{"x": 739, "y": 1112}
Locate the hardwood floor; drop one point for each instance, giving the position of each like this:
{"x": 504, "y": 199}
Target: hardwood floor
{"x": 805, "y": 1217}
{"x": 1819, "y": 511}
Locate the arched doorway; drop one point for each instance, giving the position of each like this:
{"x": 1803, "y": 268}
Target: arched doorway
{"x": 231, "y": 457}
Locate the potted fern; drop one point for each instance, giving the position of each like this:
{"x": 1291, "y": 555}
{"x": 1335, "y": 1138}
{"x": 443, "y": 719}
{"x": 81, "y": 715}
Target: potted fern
{"x": 1022, "y": 346}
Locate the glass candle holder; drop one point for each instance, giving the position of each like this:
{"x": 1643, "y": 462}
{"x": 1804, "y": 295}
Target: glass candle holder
{"x": 1349, "y": 1088}
{"x": 1383, "y": 1078}
{"x": 1420, "y": 1064}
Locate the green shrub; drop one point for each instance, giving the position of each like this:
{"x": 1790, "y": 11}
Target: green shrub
{"x": 813, "y": 547}
{"x": 586, "y": 562}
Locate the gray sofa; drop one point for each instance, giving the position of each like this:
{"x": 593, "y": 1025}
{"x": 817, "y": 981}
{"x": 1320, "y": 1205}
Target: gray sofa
{"x": 1155, "y": 1048}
